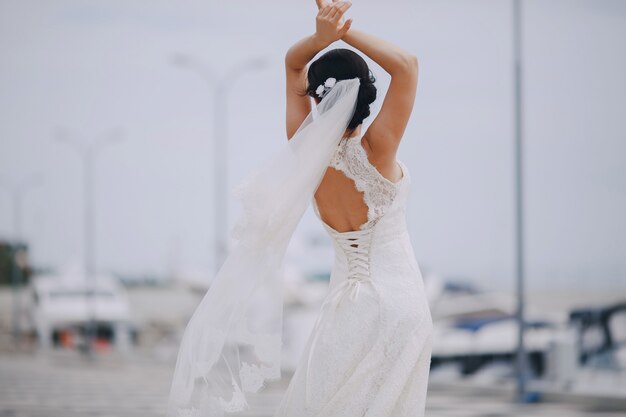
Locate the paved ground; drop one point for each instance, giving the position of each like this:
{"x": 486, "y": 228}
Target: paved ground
{"x": 68, "y": 386}
{"x": 445, "y": 401}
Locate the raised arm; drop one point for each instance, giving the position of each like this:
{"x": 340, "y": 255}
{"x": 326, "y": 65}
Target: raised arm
{"x": 386, "y": 130}
{"x": 296, "y": 60}
{"x": 329, "y": 28}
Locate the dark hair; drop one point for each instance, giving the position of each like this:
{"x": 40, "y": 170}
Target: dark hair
{"x": 343, "y": 64}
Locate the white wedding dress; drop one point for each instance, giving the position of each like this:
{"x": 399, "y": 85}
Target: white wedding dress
{"x": 370, "y": 350}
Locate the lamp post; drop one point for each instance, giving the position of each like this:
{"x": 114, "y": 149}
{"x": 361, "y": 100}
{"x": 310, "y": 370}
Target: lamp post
{"x": 16, "y": 191}
{"x": 521, "y": 355}
{"x": 220, "y": 85}
{"x": 89, "y": 152}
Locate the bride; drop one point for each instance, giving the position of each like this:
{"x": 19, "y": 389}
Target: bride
{"x": 370, "y": 349}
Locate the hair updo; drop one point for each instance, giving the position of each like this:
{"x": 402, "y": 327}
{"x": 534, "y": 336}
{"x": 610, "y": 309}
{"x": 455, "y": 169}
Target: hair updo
{"x": 343, "y": 64}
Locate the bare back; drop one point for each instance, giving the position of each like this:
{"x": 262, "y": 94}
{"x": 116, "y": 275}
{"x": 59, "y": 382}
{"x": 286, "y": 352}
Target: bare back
{"x": 341, "y": 205}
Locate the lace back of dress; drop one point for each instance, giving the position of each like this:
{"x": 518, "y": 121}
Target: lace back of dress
{"x": 378, "y": 192}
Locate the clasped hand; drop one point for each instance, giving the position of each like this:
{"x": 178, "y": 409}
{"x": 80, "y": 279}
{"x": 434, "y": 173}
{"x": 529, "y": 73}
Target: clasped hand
{"x": 329, "y": 23}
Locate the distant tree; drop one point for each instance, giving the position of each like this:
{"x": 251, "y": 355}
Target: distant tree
{"x": 14, "y": 255}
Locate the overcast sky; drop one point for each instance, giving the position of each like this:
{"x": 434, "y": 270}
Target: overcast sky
{"x": 94, "y": 66}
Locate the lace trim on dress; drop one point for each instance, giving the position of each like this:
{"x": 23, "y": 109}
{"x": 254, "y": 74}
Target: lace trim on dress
{"x": 378, "y": 191}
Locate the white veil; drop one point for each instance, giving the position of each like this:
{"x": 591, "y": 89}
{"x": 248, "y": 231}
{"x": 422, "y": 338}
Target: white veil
{"x": 232, "y": 343}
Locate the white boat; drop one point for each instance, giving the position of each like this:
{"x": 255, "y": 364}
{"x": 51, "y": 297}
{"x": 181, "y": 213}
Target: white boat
{"x": 62, "y": 306}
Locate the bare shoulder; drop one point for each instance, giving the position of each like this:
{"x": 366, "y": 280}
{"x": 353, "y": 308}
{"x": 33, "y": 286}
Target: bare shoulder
{"x": 383, "y": 159}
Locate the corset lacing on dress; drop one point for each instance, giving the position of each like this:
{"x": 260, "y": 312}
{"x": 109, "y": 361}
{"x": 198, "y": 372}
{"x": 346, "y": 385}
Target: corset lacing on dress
{"x": 356, "y": 246}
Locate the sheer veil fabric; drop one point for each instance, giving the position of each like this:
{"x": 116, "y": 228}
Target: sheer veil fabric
{"x": 233, "y": 341}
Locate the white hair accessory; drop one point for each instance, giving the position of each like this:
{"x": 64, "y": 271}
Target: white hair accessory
{"x": 323, "y": 89}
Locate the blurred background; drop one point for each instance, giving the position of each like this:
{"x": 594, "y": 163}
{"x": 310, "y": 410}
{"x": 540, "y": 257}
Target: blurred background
{"x": 116, "y": 168}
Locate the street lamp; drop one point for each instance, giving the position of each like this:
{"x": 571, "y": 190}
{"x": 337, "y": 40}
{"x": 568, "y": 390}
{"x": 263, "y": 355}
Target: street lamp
{"x": 521, "y": 356}
{"x": 16, "y": 191}
{"x": 220, "y": 86}
{"x": 89, "y": 151}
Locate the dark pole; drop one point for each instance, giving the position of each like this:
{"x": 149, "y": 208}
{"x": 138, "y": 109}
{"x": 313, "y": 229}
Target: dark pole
{"x": 521, "y": 358}
{"x": 88, "y": 229}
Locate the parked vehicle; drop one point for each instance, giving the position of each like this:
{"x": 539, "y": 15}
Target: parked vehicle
{"x": 63, "y": 307}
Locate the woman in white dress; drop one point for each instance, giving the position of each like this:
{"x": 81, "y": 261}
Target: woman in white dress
{"x": 369, "y": 352}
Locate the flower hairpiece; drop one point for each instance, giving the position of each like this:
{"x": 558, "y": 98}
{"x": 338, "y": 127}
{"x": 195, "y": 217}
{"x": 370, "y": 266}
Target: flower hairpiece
{"x": 323, "y": 89}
